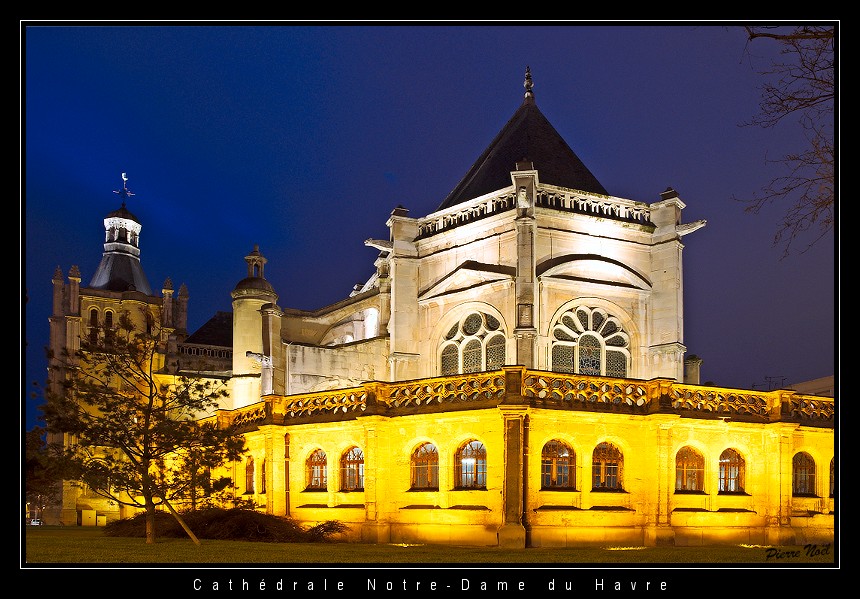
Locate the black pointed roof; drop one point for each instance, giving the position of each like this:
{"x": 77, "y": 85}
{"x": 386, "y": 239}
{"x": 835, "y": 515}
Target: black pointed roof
{"x": 528, "y": 136}
{"x": 120, "y": 269}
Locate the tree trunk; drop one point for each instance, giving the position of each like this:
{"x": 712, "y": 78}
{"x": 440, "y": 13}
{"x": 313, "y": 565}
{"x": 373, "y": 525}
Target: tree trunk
{"x": 182, "y": 522}
{"x": 150, "y": 521}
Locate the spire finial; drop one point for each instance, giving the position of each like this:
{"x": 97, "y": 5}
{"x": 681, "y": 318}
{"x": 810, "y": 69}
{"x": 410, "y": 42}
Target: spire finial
{"x": 528, "y": 83}
{"x": 124, "y": 192}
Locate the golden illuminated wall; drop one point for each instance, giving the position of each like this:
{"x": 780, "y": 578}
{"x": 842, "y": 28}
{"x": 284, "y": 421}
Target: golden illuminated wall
{"x": 514, "y": 413}
{"x": 77, "y": 313}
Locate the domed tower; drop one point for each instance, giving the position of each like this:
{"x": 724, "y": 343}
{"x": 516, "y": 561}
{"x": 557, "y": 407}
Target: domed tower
{"x": 80, "y": 312}
{"x": 252, "y": 351}
{"x": 120, "y": 268}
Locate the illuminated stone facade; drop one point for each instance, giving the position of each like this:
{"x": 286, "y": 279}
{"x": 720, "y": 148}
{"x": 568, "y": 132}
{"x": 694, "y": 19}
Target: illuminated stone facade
{"x": 512, "y": 374}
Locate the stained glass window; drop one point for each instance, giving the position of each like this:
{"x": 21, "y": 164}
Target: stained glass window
{"x": 425, "y": 467}
{"x": 317, "y": 475}
{"x": 606, "y": 465}
{"x": 590, "y": 341}
{"x": 732, "y": 468}
{"x": 558, "y": 466}
{"x": 471, "y": 466}
{"x": 689, "y": 470}
{"x": 249, "y": 475}
{"x": 803, "y": 475}
{"x": 474, "y": 344}
{"x": 352, "y": 470}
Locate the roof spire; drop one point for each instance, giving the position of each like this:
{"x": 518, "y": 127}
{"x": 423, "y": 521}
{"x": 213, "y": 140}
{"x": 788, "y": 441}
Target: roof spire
{"x": 124, "y": 192}
{"x": 528, "y": 84}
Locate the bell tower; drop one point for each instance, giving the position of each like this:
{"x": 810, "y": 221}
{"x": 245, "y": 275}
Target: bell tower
{"x": 252, "y": 348}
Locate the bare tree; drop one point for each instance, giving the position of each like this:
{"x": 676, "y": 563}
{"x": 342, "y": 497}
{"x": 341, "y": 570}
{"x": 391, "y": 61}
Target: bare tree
{"x": 801, "y": 84}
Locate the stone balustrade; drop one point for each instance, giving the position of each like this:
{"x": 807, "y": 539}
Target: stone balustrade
{"x": 516, "y": 385}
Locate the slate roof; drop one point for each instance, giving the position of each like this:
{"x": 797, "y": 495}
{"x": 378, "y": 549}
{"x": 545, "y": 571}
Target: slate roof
{"x": 120, "y": 269}
{"x": 527, "y": 136}
{"x": 120, "y": 272}
{"x": 217, "y": 331}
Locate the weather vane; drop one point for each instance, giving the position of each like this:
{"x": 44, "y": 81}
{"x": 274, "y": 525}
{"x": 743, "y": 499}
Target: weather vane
{"x": 124, "y": 192}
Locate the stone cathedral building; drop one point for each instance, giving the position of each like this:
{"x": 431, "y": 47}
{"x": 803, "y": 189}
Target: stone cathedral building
{"x": 514, "y": 373}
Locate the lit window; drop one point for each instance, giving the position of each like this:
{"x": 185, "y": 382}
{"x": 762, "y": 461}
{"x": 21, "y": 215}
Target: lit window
{"x": 689, "y": 470}
{"x": 475, "y": 344}
{"x": 249, "y": 475}
{"x": 732, "y": 468}
{"x": 425, "y": 468}
{"x": 590, "y": 341}
{"x": 316, "y": 471}
{"x": 108, "y": 327}
{"x": 471, "y": 466}
{"x": 94, "y": 326}
{"x": 558, "y": 465}
{"x": 352, "y": 470}
{"x": 206, "y": 483}
{"x": 803, "y": 475}
{"x": 606, "y": 468}
{"x": 832, "y": 476}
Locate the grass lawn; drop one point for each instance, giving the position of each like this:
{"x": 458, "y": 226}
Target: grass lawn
{"x": 64, "y": 558}
{"x": 87, "y": 545}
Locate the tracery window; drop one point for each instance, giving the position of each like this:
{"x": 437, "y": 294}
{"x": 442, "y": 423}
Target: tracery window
{"x": 425, "y": 467}
{"x": 470, "y": 465}
{"x": 352, "y": 470}
{"x": 316, "y": 471}
{"x": 607, "y": 464}
{"x": 732, "y": 472}
{"x": 689, "y": 470}
{"x": 474, "y": 344}
{"x": 590, "y": 341}
{"x": 803, "y": 475}
{"x": 558, "y": 465}
{"x": 249, "y": 475}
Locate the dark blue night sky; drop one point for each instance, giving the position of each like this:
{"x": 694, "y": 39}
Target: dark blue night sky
{"x": 303, "y": 139}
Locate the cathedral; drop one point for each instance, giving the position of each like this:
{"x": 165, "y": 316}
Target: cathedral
{"x": 513, "y": 374}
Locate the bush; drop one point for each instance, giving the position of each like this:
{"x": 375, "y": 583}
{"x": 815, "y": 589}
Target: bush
{"x": 235, "y": 524}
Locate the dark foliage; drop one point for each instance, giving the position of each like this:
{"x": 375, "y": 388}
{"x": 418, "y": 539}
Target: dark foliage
{"x": 234, "y": 524}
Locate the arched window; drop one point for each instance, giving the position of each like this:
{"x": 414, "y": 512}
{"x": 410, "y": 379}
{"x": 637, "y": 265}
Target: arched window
{"x": 474, "y": 344}
{"x": 590, "y": 341}
{"x": 832, "y": 475}
{"x": 425, "y": 468}
{"x": 249, "y": 475}
{"x": 607, "y": 464}
{"x": 352, "y": 470}
{"x": 470, "y": 464}
{"x": 94, "y": 326}
{"x": 206, "y": 481}
{"x": 557, "y": 466}
{"x": 732, "y": 468}
{"x": 316, "y": 471}
{"x": 108, "y": 327}
{"x": 803, "y": 475}
{"x": 263, "y": 476}
{"x": 689, "y": 470}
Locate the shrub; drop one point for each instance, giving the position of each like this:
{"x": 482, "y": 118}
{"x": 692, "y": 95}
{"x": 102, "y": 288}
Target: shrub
{"x": 234, "y": 524}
